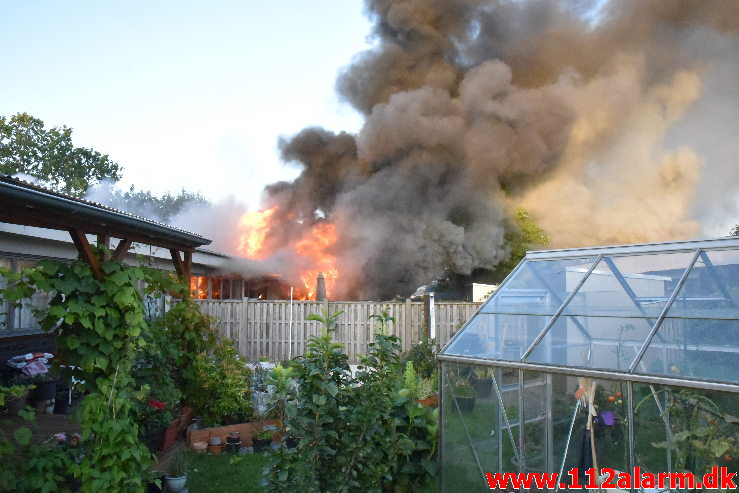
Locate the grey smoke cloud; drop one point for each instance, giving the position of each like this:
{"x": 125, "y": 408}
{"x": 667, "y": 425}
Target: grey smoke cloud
{"x": 608, "y": 126}
{"x": 621, "y": 129}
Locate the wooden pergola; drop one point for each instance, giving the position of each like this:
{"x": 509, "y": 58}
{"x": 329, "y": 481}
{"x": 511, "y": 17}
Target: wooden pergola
{"x": 27, "y": 204}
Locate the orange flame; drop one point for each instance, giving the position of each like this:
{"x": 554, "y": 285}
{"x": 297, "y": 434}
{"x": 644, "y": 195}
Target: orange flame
{"x": 316, "y": 246}
{"x": 254, "y": 226}
{"x": 199, "y": 287}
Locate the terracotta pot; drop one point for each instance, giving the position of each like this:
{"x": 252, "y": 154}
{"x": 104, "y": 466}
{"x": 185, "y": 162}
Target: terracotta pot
{"x": 430, "y": 401}
{"x": 170, "y": 434}
{"x": 215, "y": 449}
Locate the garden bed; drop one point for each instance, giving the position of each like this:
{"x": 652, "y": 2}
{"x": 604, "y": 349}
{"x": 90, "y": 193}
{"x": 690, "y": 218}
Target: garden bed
{"x": 245, "y": 430}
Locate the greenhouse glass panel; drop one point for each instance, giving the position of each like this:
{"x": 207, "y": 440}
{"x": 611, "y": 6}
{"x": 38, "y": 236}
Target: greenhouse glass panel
{"x": 498, "y": 336}
{"x": 697, "y": 348}
{"x": 684, "y": 429}
{"x": 469, "y": 423}
{"x": 711, "y": 290}
{"x": 592, "y": 342}
{"x": 538, "y": 288}
{"x": 629, "y": 286}
{"x": 630, "y": 361}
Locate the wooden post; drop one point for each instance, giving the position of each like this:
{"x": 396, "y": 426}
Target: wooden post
{"x": 425, "y": 331}
{"x": 121, "y": 249}
{"x": 85, "y": 250}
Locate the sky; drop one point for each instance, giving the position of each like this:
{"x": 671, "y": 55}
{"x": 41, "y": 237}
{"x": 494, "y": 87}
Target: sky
{"x": 183, "y": 93}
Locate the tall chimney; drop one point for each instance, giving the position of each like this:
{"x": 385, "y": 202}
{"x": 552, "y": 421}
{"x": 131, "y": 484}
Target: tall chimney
{"x": 321, "y": 288}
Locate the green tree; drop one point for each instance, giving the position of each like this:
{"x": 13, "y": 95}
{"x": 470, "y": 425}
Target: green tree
{"x": 734, "y": 231}
{"x": 49, "y": 155}
{"x": 523, "y": 234}
{"x": 144, "y": 203}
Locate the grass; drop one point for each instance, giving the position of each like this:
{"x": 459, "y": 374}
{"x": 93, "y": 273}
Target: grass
{"x": 216, "y": 474}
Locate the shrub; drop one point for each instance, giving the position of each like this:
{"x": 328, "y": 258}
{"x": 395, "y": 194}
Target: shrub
{"x": 221, "y": 387}
{"x": 423, "y": 357}
{"x": 357, "y": 433}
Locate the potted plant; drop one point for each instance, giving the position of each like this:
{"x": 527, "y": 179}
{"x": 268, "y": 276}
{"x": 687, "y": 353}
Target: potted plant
{"x": 45, "y": 392}
{"x": 263, "y": 439}
{"x": 426, "y": 395}
{"x": 483, "y": 382}
{"x": 177, "y": 469}
{"x": 15, "y": 397}
{"x": 465, "y": 395}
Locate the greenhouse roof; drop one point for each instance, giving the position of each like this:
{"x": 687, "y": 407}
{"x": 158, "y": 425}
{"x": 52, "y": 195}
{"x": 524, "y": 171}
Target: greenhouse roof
{"x": 661, "y": 312}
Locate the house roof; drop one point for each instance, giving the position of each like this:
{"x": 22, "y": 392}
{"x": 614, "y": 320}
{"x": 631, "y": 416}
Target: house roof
{"x": 29, "y": 204}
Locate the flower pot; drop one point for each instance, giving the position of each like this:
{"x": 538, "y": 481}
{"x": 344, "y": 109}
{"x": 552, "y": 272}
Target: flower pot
{"x": 483, "y": 387}
{"x": 170, "y": 434}
{"x": 216, "y": 449}
{"x": 199, "y": 447}
{"x": 430, "y": 401}
{"x": 466, "y": 404}
{"x": 175, "y": 485}
{"x": 44, "y": 391}
{"x": 233, "y": 442}
{"x": 16, "y": 405}
{"x": 261, "y": 444}
{"x": 61, "y": 402}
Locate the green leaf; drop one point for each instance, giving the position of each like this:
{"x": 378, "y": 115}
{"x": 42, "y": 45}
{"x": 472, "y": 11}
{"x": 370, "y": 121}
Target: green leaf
{"x": 22, "y": 435}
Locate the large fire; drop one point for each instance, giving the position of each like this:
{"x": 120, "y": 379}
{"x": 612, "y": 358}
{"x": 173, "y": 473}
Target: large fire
{"x": 313, "y": 249}
{"x": 254, "y": 228}
{"x": 316, "y": 246}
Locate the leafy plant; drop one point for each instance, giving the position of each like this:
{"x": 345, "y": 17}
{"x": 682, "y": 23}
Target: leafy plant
{"x": 265, "y": 434}
{"x": 101, "y": 328}
{"x": 363, "y": 432}
{"x": 154, "y": 373}
{"x": 220, "y": 389}
{"x": 464, "y": 389}
{"x": 423, "y": 357}
{"x": 13, "y": 392}
{"x": 702, "y": 435}
{"x": 179, "y": 465}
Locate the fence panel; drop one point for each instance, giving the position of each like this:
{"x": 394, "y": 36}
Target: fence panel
{"x": 280, "y": 330}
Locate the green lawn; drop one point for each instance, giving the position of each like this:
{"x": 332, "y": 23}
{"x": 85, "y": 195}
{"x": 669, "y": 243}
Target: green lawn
{"x": 216, "y": 474}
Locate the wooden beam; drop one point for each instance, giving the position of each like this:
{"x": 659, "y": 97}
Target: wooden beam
{"x": 86, "y": 253}
{"x": 188, "y": 265}
{"x": 10, "y": 213}
{"x": 104, "y": 239}
{"x": 120, "y": 251}
{"x": 179, "y": 265}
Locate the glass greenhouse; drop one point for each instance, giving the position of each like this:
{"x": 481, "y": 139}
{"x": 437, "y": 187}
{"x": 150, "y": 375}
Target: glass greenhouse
{"x": 611, "y": 357}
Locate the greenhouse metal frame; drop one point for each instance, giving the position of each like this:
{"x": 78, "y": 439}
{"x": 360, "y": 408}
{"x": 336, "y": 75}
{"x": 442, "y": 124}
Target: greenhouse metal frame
{"x": 616, "y": 356}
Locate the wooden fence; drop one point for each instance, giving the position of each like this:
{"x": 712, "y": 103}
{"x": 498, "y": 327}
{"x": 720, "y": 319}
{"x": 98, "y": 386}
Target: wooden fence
{"x": 280, "y": 329}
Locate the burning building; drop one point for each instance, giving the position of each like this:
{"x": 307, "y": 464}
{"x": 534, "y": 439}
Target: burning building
{"x": 609, "y": 122}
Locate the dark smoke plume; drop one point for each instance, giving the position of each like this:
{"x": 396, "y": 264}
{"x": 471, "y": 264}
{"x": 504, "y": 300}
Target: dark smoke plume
{"x": 608, "y": 126}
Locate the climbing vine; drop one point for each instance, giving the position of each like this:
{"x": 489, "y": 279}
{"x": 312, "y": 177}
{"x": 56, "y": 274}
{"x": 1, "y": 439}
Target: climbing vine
{"x": 100, "y": 326}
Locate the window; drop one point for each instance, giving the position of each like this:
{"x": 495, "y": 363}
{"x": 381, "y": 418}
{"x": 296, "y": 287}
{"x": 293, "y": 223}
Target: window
{"x": 16, "y": 320}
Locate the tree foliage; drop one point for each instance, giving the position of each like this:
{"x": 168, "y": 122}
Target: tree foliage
{"x": 523, "y": 234}
{"x": 144, "y": 203}
{"x": 48, "y": 155}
